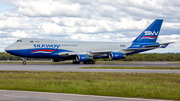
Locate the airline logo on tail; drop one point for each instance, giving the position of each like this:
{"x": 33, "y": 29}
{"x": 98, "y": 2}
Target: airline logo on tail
{"x": 149, "y": 35}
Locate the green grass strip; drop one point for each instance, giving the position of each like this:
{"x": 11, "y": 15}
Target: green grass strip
{"x": 139, "y": 85}
{"x": 128, "y": 67}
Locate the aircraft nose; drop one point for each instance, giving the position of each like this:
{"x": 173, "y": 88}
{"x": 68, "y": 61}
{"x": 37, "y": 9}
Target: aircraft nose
{"x": 11, "y": 49}
{"x": 7, "y": 48}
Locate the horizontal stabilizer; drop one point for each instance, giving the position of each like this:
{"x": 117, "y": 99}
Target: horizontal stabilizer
{"x": 135, "y": 49}
{"x": 150, "y": 47}
{"x": 163, "y": 45}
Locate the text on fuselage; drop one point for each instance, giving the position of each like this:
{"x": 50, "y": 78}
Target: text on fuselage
{"x": 46, "y": 45}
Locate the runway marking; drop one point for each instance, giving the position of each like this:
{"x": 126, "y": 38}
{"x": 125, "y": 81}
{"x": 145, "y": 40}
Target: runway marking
{"x": 61, "y": 100}
{"x": 14, "y": 96}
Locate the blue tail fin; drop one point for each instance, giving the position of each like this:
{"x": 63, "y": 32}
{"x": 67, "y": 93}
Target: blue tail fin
{"x": 150, "y": 34}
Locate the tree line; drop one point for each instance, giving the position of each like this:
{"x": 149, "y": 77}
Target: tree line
{"x": 6, "y": 56}
{"x": 134, "y": 57}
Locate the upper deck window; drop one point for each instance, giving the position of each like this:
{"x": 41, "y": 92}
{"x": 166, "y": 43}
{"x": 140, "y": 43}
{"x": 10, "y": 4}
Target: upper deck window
{"x": 19, "y": 41}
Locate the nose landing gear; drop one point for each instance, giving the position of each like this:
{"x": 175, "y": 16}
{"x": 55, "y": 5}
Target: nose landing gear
{"x": 24, "y": 61}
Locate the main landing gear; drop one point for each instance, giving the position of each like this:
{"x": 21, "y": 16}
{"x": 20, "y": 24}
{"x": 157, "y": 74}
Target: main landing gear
{"x": 89, "y": 62}
{"x": 76, "y": 62}
{"x": 85, "y": 62}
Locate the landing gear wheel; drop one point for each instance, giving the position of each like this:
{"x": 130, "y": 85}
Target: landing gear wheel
{"x": 24, "y": 62}
{"x": 89, "y": 62}
{"x": 93, "y": 62}
{"x": 85, "y": 62}
{"x": 76, "y": 62}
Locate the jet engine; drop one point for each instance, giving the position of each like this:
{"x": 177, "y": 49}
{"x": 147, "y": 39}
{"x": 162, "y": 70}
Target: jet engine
{"x": 116, "y": 55}
{"x": 82, "y": 58}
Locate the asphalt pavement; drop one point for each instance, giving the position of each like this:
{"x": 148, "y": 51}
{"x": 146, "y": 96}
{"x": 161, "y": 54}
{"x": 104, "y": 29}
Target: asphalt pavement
{"x": 75, "y": 67}
{"x": 10, "y": 95}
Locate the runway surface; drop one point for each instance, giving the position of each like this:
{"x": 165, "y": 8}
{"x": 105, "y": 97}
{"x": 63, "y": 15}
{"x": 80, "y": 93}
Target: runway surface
{"x": 8, "y": 95}
{"x": 74, "y": 67}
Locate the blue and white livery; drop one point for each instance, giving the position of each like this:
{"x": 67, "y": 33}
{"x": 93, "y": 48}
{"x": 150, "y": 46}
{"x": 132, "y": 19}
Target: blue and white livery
{"x": 87, "y": 51}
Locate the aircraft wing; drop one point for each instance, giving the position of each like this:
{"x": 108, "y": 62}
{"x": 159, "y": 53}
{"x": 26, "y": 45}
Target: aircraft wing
{"x": 91, "y": 53}
{"x": 101, "y": 52}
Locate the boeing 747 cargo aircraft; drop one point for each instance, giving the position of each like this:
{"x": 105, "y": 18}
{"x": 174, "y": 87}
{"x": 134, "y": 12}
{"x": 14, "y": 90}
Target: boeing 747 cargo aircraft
{"x": 87, "y": 51}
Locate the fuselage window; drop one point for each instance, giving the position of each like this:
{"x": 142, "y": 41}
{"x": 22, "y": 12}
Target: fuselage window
{"x": 19, "y": 41}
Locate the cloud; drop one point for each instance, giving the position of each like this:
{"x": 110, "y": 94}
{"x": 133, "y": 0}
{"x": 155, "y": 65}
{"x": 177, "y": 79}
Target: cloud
{"x": 47, "y": 8}
{"x": 5, "y": 41}
{"x": 170, "y": 38}
{"x": 19, "y": 34}
{"x": 171, "y": 25}
{"x": 52, "y": 28}
{"x": 88, "y": 20}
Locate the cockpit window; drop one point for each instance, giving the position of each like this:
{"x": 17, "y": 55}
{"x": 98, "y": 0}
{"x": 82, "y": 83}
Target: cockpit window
{"x": 19, "y": 41}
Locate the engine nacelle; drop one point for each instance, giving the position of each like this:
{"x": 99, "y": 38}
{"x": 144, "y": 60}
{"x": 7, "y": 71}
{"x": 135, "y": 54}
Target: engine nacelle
{"x": 57, "y": 59}
{"x": 82, "y": 57}
{"x": 116, "y": 55}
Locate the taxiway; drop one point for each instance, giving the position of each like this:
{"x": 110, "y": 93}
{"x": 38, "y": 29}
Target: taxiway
{"x": 74, "y": 67}
{"x": 10, "y": 95}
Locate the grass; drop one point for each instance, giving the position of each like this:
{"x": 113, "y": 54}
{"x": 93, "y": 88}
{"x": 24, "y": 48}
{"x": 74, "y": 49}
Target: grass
{"x": 128, "y": 67}
{"x": 139, "y": 85}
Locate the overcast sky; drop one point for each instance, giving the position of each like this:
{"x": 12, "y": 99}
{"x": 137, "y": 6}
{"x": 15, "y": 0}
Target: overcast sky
{"x": 88, "y": 20}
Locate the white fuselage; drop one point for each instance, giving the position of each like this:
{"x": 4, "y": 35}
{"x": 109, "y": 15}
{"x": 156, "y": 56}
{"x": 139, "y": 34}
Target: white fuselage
{"x": 33, "y": 43}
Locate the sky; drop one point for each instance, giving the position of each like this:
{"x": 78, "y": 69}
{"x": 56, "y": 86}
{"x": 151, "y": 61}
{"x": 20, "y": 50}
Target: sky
{"x": 88, "y": 20}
